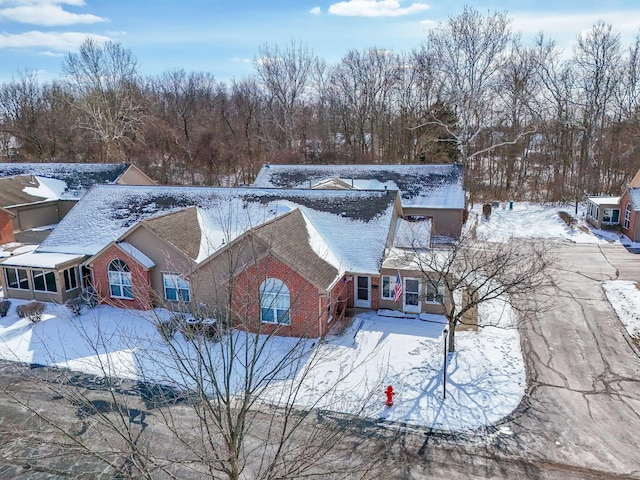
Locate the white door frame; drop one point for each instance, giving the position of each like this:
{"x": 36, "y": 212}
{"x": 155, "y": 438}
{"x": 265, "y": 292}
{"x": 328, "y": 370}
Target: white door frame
{"x": 358, "y": 302}
{"x": 410, "y": 308}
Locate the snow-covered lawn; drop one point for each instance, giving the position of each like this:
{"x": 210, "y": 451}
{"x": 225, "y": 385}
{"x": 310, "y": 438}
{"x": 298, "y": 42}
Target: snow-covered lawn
{"x": 531, "y": 220}
{"x": 624, "y": 297}
{"x": 485, "y": 376}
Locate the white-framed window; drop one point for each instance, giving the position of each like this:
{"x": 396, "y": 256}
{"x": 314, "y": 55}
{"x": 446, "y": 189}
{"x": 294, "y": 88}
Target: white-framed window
{"x": 120, "y": 285}
{"x": 44, "y": 281}
{"x": 70, "y": 278}
{"x": 627, "y": 216}
{"x": 592, "y": 210}
{"x": 274, "y": 302}
{"x": 610, "y": 215}
{"x": 388, "y": 287}
{"x": 176, "y": 288}
{"x": 17, "y": 278}
{"x": 435, "y": 292}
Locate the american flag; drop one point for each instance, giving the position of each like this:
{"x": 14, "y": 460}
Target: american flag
{"x": 398, "y": 290}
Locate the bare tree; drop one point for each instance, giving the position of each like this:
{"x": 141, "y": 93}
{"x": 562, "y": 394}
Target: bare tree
{"x": 104, "y": 80}
{"x": 286, "y": 75}
{"x": 469, "y": 52}
{"x": 469, "y": 272}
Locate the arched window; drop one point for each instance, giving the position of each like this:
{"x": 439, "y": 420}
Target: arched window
{"x": 274, "y": 302}
{"x": 120, "y": 280}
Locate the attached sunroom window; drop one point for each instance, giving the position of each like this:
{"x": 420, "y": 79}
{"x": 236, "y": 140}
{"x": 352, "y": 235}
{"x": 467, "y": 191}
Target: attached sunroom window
{"x": 176, "y": 288}
{"x": 120, "y": 285}
{"x": 44, "y": 281}
{"x": 17, "y": 278}
{"x": 610, "y": 215}
{"x": 274, "y": 302}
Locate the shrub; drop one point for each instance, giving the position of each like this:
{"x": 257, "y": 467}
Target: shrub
{"x": 5, "y": 305}
{"x": 32, "y": 311}
{"x": 76, "y": 305}
{"x": 486, "y": 210}
{"x": 167, "y": 329}
{"x": 567, "y": 218}
{"x": 90, "y": 297}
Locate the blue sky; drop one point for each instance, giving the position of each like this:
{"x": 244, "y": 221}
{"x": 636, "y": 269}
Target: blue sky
{"x": 222, "y": 37}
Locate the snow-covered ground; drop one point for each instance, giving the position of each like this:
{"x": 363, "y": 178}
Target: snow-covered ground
{"x": 624, "y": 297}
{"x": 485, "y": 377}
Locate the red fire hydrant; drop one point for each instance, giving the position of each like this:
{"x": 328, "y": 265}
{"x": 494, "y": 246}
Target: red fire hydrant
{"x": 389, "y": 393}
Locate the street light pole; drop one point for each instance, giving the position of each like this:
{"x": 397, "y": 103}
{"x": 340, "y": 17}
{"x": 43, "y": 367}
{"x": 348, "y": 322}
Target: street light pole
{"x": 444, "y": 370}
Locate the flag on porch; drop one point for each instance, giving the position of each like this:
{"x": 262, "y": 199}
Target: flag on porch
{"x": 398, "y": 290}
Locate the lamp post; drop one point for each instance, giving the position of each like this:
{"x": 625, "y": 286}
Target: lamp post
{"x": 444, "y": 370}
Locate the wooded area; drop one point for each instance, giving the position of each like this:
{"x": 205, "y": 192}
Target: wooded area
{"x": 528, "y": 121}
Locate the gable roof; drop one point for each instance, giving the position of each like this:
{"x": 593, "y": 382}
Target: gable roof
{"x": 288, "y": 239}
{"x": 27, "y": 189}
{"x": 422, "y": 186}
{"x": 78, "y": 177}
{"x": 181, "y": 229}
{"x": 352, "y": 224}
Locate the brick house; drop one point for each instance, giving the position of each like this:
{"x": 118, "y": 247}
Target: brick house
{"x": 265, "y": 259}
{"x": 621, "y": 212}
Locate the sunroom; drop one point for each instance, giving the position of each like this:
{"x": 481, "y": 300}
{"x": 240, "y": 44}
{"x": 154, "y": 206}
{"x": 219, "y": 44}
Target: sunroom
{"x": 47, "y": 277}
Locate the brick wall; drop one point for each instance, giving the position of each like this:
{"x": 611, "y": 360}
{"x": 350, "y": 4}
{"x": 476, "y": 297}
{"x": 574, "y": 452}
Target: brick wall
{"x": 6, "y": 228}
{"x": 308, "y": 311}
{"x": 140, "y": 278}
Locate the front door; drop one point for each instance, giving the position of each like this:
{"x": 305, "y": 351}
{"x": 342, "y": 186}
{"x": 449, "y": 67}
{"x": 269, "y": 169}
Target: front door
{"x": 411, "y": 302}
{"x": 363, "y": 292}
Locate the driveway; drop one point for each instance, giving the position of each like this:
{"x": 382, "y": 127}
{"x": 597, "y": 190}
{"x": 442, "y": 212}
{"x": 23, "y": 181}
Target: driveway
{"x": 584, "y": 374}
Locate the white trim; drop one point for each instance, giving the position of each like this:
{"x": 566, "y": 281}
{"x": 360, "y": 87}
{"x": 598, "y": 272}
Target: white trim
{"x": 357, "y": 302}
{"x": 410, "y": 308}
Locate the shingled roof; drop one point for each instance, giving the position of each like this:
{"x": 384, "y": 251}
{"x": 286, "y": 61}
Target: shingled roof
{"x": 181, "y": 229}
{"x": 21, "y": 190}
{"x": 353, "y": 224}
{"x": 289, "y": 239}
{"x": 429, "y": 186}
{"x": 79, "y": 177}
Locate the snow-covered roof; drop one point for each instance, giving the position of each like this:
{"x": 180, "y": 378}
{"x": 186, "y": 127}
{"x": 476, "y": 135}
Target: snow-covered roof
{"x": 41, "y": 260}
{"x": 78, "y": 177}
{"x": 352, "y": 224}
{"x": 413, "y": 234}
{"x": 27, "y": 189}
{"x": 634, "y": 194}
{"x": 604, "y": 200}
{"x": 140, "y": 257}
{"x": 421, "y": 186}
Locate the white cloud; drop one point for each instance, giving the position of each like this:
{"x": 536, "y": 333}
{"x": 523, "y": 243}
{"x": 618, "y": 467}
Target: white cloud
{"x": 315, "y": 11}
{"x": 375, "y": 8}
{"x": 242, "y": 60}
{"x": 573, "y": 23}
{"x": 51, "y": 41}
{"x": 46, "y": 13}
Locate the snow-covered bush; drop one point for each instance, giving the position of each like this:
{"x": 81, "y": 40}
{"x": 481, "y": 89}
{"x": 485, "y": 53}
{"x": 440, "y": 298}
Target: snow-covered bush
{"x": 76, "y": 305}
{"x": 5, "y": 305}
{"x": 32, "y": 311}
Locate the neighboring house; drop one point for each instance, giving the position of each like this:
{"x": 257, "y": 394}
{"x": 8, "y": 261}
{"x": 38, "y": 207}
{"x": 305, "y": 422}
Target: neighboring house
{"x": 621, "y": 212}
{"x": 291, "y": 259}
{"x": 434, "y": 191}
{"x": 37, "y": 195}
